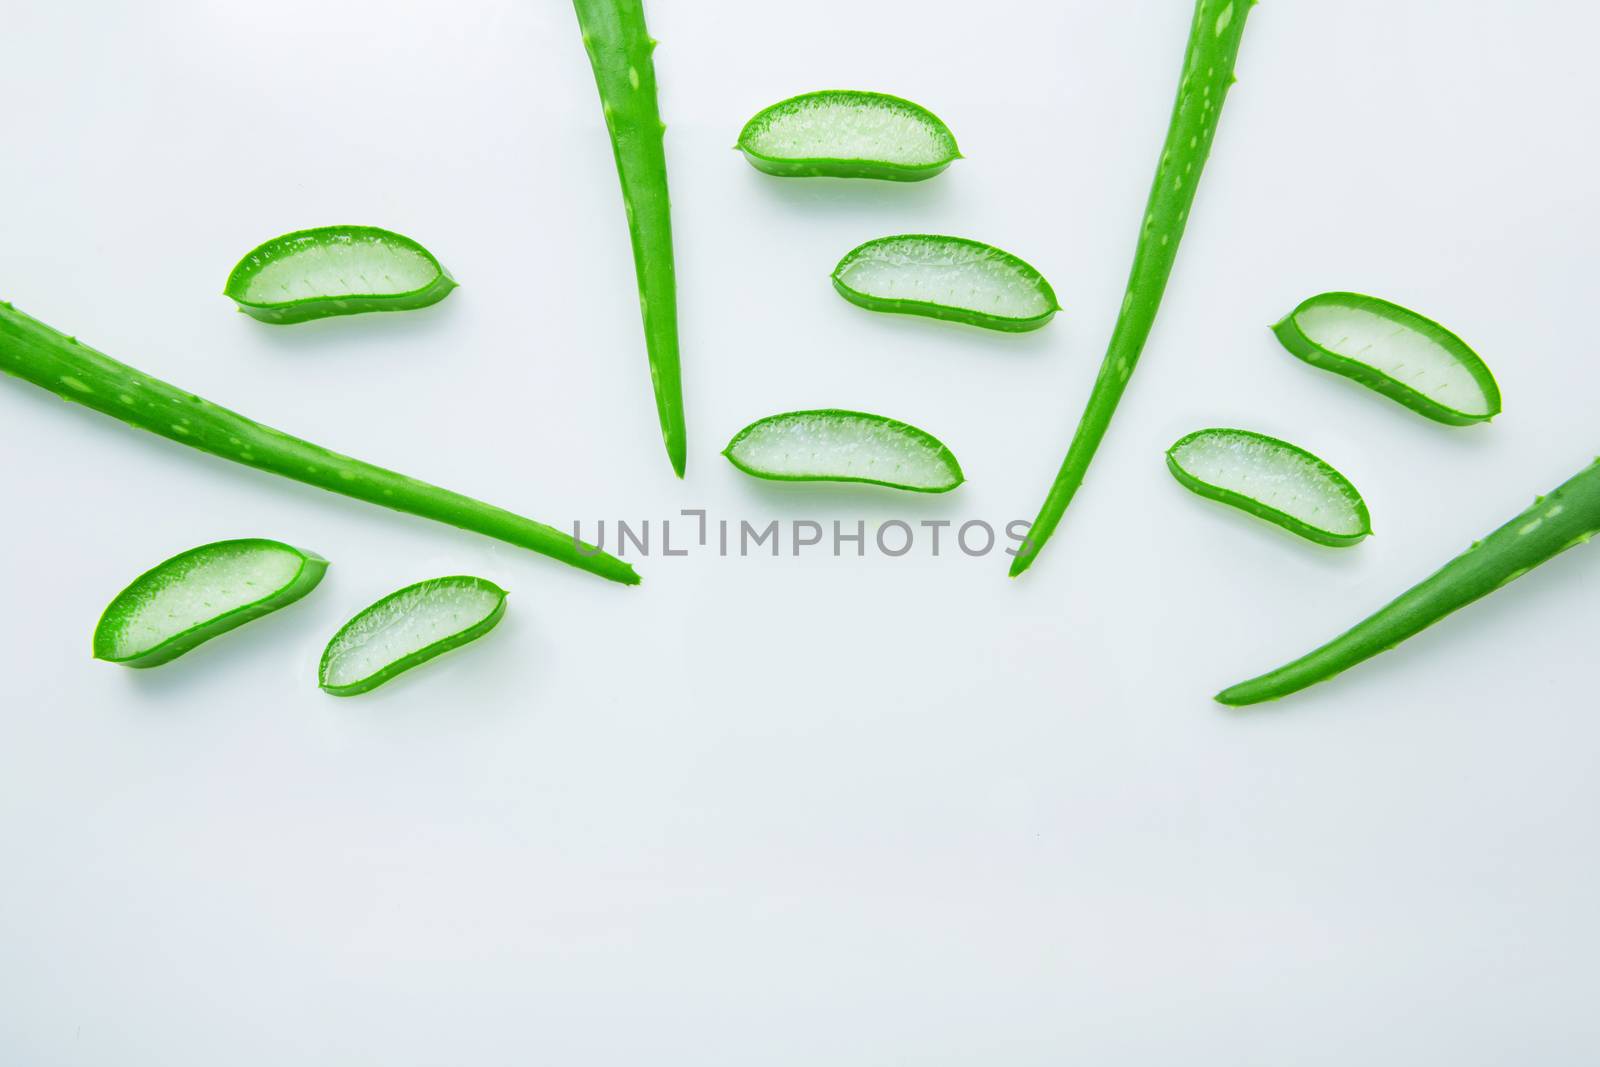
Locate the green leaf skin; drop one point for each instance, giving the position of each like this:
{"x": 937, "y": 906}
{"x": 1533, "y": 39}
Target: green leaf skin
{"x": 191, "y": 574}
{"x": 1568, "y": 516}
{"x": 381, "y": 620}
{"x": 1280, "y": 460}
{"x": 1207, "y": 75}
{"x": 620, "y": 52}
{"x": 1437, "y": 344}
{"x": 336, "y": 270}
{"x": 34, "y": 352}
{"x": 879, "y": 112}
{"x": 832, "y": 445}
{"x": 981, "y": 275}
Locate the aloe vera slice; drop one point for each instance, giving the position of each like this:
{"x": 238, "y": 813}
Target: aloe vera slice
{"x": 199, "y": 594}
{"x": 336, "y": 270}
{"x": 949, "y": 278}
{"x": 1274, "y": 480}
{"x": 408, "y": 627}
{"x": 845, "y": 133}
{"x": 1395, "y": 351}
{"x": 830, "y": 445}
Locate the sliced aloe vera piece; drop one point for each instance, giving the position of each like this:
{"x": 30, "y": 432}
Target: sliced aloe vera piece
{"x": 1403, "y": 355}
{"x": 1272, "y": 479}
{"x": 198, "y": 594}
{"x": 946, "y": 278}
{"x": 845, "y": 133}
{"x": 336, "y": 270}
{"x": 830, "y": 445}
{"x": 408, "y": 627}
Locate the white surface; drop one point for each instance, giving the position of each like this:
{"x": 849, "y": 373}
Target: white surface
{"x": 784, "y": 811}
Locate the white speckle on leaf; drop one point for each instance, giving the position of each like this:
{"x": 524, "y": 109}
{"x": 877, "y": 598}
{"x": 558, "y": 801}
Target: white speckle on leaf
{"x": 1225, "y": 18}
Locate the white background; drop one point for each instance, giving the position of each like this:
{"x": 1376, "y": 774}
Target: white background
{"x": 815, "y": 810}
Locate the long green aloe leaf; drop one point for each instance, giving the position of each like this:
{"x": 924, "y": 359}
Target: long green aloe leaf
{"x": 1207, "y": 74}
{"x": 1567, "y": 516}
{"x": 51, "y": 360}
{"x": 620, "y": 52}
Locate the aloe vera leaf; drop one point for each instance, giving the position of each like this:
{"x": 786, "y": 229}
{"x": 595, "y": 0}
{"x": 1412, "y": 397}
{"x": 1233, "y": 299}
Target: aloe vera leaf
{"x": 846, "y": 133}
{"x": 830, "y": 445}
{"x": 1273, "y": 480}
{"x": 1213, "y": 47}
{"x": 408, "y": 627}
{"x": 1395, "y": 351}
{"x": 336, "y": 270}
{"x": 1569, "y": 515}
{"x": 620, "y": 51}
{"x": 34, "y": 352}
{"x": 949, "y": 278}
{"x": 200, "y": 594}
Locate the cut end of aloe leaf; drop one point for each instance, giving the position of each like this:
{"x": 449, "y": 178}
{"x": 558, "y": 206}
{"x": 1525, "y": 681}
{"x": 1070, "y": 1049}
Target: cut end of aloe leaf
{"x": 336, "y": 270}
{"x": 844, "y": 446}
{"x": 845, "y": 133}
{"x": 1274, "y": 480}
{"x": 199, "y": 594}
{"x": 1395, "y": 351}
{"x": 407, "y": 628}
{"x": 946, "y": 278}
